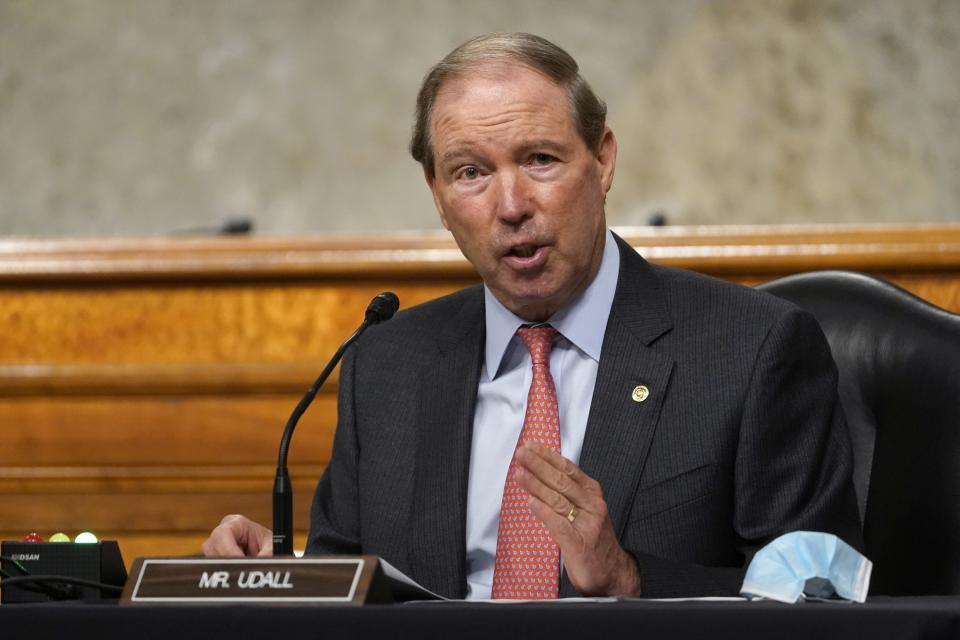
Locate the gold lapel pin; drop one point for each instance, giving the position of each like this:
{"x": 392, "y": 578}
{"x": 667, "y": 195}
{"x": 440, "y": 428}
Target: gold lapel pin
{"x": 640, "y": 393}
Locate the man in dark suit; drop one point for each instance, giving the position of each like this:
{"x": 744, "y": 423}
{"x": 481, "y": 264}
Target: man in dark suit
{"x": 697, "y": 419}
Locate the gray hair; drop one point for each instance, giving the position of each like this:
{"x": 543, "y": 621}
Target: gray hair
{"x": 589, "y": 112}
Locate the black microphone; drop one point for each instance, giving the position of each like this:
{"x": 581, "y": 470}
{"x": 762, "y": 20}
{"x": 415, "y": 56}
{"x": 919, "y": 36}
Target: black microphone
{"x": 381, "y": 308}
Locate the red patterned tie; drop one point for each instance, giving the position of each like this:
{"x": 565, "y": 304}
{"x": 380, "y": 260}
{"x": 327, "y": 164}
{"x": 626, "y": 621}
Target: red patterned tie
{"x": 527, "y": 565}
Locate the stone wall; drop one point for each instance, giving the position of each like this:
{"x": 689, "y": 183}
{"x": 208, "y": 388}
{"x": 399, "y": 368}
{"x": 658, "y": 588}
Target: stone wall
{"x": 142, "y": 117}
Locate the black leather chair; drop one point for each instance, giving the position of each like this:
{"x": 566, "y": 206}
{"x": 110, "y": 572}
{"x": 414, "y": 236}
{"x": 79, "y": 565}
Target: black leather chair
{"x": 899, "y": 362}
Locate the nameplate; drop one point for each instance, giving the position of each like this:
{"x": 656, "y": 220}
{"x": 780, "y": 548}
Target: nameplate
{"x": 341, "y": 580}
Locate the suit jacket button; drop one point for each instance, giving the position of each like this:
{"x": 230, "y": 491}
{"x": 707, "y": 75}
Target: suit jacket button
{"x": 640, "y": 393}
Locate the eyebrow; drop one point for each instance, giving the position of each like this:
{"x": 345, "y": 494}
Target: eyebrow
{"x": 543, "y": 143}
{"x": 455, "y": 154}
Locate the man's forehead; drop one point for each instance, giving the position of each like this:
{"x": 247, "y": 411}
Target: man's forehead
{"x": 498, "y": 89}
{"x": 499, "y": 70}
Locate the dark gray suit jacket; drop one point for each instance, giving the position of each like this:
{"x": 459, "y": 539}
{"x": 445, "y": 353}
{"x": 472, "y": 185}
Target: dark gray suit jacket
{"x": 741, "y": 439}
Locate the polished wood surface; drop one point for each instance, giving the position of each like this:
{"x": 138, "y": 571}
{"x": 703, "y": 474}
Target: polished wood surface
{"x": 144, "y": 383}
{"x": 433, "y": 256}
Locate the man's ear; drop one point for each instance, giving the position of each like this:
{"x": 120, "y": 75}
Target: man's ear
{"x": 607, "y": 158}
{"x": 431, "y": 179}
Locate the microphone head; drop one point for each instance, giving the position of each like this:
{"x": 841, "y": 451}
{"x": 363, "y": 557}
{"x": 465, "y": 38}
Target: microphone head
{"x": 382, "y": 307}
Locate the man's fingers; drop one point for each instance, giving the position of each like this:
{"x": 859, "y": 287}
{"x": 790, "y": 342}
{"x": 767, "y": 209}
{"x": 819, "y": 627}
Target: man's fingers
{"x": 556, "y": 524}
{"x": 550, "y": 498}
{"x": 221, "y": 542}
{"x": 237, "y": 535}
{"x": 253, "y": 538}
{"x": 568, "y": 472}
{"x": 557, "y": 474}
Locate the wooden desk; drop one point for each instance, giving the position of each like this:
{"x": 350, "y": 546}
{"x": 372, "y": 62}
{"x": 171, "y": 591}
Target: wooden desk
{"x": 144, "y": 383}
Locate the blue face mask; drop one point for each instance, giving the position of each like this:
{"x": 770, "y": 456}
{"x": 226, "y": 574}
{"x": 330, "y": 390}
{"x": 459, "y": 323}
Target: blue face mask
{"x": 821, "y": 563}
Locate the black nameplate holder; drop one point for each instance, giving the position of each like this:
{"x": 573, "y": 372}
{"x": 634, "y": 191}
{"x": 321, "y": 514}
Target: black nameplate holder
{"x": 335, "y": 580}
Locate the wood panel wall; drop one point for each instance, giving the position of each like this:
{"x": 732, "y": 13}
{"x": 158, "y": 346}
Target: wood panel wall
{"x": 144, "y": 383}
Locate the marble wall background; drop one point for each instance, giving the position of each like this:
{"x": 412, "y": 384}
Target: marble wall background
{"x": 144, "y": 116}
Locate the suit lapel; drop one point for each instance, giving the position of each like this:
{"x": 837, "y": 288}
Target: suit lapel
{"x": 620, "y": 428}
{"x": 439, "y": 507}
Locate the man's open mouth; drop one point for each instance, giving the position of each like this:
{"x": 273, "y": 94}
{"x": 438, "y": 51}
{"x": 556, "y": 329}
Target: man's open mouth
{"x": 524, "y": 250}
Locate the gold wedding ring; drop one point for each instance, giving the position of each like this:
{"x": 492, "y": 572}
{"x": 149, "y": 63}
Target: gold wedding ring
{"x": 572, "y": 515}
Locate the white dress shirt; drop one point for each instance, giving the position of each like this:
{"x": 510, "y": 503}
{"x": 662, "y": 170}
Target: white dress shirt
{"x": 502, "y": 402}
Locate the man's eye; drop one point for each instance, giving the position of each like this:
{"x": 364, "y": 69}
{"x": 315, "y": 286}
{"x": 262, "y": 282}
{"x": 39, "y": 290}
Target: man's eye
{"x": 469, "y": 173}
{"x": 542, "y": 158}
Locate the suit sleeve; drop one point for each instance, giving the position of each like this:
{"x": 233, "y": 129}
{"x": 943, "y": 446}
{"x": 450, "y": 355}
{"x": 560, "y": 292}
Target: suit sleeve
{"x": 334, "y": 515}
{"x": 793, "y": 466}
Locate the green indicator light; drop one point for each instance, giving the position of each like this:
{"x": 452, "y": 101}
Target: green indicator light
{"x": 59, "y": 537}
{"x": 85, "y": 537}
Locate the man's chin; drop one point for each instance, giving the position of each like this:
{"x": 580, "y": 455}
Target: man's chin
{"x": 534, "y": 305}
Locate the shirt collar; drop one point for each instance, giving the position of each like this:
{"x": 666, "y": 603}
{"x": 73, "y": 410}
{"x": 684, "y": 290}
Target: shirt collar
{"x": 583, "y": 322}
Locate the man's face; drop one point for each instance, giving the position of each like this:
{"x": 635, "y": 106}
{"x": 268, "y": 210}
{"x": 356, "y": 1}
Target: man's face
{"x": 518, "y": 188}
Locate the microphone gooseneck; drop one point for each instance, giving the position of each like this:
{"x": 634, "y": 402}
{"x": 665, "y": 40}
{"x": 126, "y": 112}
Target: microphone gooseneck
{"x": 381, "y": 308}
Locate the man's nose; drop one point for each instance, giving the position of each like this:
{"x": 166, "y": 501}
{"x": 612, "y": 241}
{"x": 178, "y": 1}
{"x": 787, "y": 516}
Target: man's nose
{"x": 514, "y": 201}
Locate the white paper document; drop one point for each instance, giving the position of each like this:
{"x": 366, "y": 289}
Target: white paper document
{"x": 406, "y": 589}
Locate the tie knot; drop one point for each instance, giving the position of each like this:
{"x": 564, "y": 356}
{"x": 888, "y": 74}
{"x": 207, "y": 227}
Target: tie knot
{"x": 539, "y": 341}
